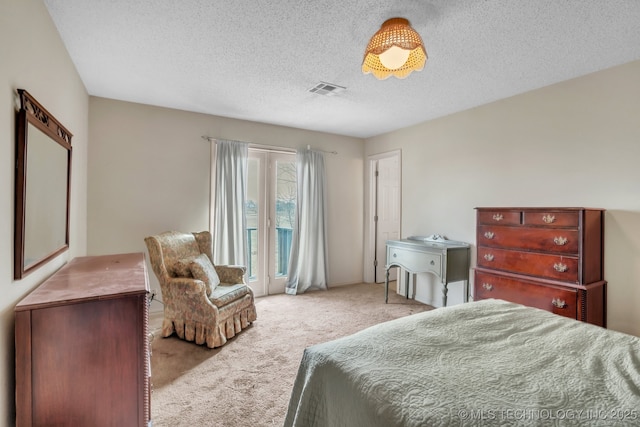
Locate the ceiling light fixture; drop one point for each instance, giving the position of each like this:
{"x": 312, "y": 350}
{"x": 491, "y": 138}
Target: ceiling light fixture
{"x": 396, "y": 49}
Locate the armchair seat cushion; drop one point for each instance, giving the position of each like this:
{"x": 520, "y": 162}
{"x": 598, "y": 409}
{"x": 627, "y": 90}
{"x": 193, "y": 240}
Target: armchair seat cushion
{"x": 225, "y": 294}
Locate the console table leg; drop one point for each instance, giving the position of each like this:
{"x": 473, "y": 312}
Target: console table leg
{"x": 386, "y": 287}
{"x": 444, "y": 295}
{"x": 466, "y": 291}
{"x": 407, "y": 276}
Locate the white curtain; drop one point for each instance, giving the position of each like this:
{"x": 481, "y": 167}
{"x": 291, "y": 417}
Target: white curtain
{"x": 229, "y": 221}
{"x": 308, "y": 261}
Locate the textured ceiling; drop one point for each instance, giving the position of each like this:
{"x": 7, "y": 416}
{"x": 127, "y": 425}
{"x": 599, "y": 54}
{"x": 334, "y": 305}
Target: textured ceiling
{"x": 256, "y": 60}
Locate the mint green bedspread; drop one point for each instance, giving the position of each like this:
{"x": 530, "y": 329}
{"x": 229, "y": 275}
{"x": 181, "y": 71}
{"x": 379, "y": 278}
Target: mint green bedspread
{"x": 484, "y": 363}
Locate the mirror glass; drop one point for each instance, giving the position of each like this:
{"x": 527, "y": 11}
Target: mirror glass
{"x": 43, "y": 172}
{"x": 45, "y": 214}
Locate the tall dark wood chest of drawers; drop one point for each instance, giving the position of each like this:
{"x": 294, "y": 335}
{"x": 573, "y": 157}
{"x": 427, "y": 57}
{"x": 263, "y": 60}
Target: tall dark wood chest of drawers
{"x": 82, "y": 346}
{"x": 549, "y": 258}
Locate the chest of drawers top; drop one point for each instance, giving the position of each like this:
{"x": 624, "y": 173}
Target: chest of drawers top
{"x": 535, "y": 217}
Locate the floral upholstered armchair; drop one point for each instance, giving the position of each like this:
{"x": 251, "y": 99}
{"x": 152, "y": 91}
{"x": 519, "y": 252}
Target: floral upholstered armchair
{"x": 203, "y": 303}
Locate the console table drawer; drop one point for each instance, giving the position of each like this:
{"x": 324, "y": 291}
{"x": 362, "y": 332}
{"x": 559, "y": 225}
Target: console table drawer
{"x": 562, "y": 301}
{"x": 529, "y": 238}
{"x": 413, "y": 260}
{"x": 555, "y": 267}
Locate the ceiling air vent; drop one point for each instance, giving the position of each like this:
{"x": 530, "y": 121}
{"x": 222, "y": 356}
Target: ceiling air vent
{"x": 328, "y": 89}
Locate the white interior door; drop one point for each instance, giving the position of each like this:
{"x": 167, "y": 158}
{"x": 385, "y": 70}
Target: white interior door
{"x": 387, "y": 206}
{"x": 271, "y": 205}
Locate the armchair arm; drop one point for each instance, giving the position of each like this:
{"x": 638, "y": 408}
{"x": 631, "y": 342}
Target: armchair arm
{"x": 188, "y": 298}
{"x": 178, "y": 286}
{"x": 231, "y": 274}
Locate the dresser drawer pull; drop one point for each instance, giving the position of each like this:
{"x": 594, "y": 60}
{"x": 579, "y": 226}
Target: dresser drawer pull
{"x": 498, "y": 217}
{"x": 487, "y": 286}
{"x": 560, "y": 267}
{"x": 558, "y": 303}
{"x": 489, "y": 235}
{"x": 560, "y": 241}
{"x": 488, "y": 257}
{"x": 548, "y": 219}
{"x": 432, "y": 262}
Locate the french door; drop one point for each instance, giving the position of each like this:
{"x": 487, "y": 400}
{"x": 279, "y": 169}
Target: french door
{"x": 271, "y": 208}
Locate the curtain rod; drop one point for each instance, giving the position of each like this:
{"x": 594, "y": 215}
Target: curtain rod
{"x": 265, "y": 146}
{"x": 323, "y": 151}
{"x": 255, "y": 146}
{"x": 212, "y": 139}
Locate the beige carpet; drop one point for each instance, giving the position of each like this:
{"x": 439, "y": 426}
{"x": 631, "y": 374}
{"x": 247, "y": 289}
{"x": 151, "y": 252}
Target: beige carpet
{"x": 248, "y": 381}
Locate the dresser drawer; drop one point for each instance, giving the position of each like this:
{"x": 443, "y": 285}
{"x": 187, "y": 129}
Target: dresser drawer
{"x": 413, "y": 260}
{"x": 562, "y": 301}
{"x": 499, "y": 217}
{"x": 557, "y": 267}
{"x": 551, "y": 218}
{"x": 529, "y": 238}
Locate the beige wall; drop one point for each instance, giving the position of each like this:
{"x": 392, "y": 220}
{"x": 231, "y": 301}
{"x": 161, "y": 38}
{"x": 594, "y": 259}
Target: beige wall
{"x": 575, "y": 143}
{"x": 34, "y": 58}
{"x": 149, "y": 171}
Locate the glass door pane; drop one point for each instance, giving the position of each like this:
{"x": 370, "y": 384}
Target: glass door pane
{"x": 285, "y": 211}
{"x": 255, "y": 215}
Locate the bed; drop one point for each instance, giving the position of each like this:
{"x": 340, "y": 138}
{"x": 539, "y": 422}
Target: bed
{"x": 489, "y": 362}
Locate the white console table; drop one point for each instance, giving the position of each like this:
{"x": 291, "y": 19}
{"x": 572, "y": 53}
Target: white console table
{"x": 448, "y": 260}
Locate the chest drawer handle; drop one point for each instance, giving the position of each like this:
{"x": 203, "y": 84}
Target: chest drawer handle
{"x": 560, "y": 241}
{"x": 548, "y": 219}
{"x": 432, "y": 262}
{"x": 395, "y": 255}
{"x": 498, "y": 217}
{"x": 558, "y": 303}
{"x": 560, "y": 267}
{"x": 489, "y": 235}
{"x": 487, "y": 286}
{"x": 488, "y": 257}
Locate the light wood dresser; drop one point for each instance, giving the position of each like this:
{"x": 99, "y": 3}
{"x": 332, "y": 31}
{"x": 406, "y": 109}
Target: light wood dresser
{"x": 82, "y": 346}
{"x": 549, "y": 258}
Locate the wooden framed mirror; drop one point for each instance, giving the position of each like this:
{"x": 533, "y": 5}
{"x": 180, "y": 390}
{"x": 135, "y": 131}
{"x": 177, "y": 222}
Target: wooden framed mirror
{"x": 43, "y": 182}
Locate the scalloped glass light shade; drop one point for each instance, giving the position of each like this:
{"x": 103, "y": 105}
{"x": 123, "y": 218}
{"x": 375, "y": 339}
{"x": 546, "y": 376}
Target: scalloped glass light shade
{"x": 395, "y": 50}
